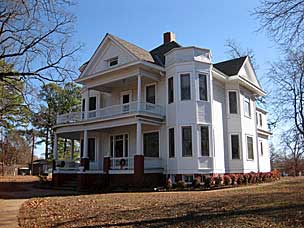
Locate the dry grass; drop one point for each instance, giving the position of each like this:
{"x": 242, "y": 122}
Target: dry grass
{"x": 278, "y": 204}
{"x": 22, "y": 179}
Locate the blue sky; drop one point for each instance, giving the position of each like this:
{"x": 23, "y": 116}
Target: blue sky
{"x": 201, "y": 23}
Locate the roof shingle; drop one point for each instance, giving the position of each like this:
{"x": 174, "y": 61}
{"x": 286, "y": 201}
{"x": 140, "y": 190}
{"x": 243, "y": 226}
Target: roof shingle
{"x": 230, "y": 67}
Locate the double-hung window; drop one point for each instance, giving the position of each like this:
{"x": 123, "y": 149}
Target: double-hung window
{"x": 170, "y": 90}
{"x": 233, "y": 106}
{"x": 185, "y": 87}
{"x": 203, "y": 92}
{"x": 151, "y": 144}
{"x": 205, "y": 141}
{"x": 247, "y": 109}
{"x": 150, "y": 94}
{"x": 250, "y": 148}
{"x": 187, "y": 141}
{"x": 235, "y": 146}
{"x": 171, "y": 143}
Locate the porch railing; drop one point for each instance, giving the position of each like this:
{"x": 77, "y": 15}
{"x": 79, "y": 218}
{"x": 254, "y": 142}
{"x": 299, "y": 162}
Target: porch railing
{"x": 113, "y": 111}
{"x": 122, "y": 163}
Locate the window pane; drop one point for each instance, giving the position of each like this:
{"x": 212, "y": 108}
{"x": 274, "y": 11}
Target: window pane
{"x": 150, "y": 94}
{"x": 204, "y": 141}
{"x": 232, "y": 102}
{"x": 261, "y": 121}
{"x": 92, "y": 103}
{"x": 170, "y": 90}
{"x": 262, "y": 149}
{"x": 235, "y": 147}
{"x": 171, "y": 143}
{"x": 185, "y": 87}
{"x": 203, "y": 87}
{"x": 83, "y": 105}
{"x": 151, "y": 144}
{"x": 186, "y": 142}
{"x": 126, "y": 145}
{"x": 111, "y": 145}
{"x": 250, "y": 147}
{"x": 247, "y": 110}
{"x": 91, "y": 149}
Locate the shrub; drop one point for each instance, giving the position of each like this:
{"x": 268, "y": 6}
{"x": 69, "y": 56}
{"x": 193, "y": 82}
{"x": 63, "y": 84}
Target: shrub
{"x": 240, "y": 179}
{"x": 245, "y": 178}
{"x": 276, "y": 175}
{"x": 181, "y": 184}
{"x": 196, "y": 183}
{"x": 169, "y": 184}
{"x": 227, "y": 180}
{"x": 233, "y": 178}
{"x": 217, "y": 180}
{"x": 207, "y": 181}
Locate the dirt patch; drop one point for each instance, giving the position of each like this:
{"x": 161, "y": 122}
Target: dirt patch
{"x": 279, "y": 204}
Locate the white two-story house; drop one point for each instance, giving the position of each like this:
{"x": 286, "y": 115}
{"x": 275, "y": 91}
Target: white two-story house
{"x": 169, "y": 112}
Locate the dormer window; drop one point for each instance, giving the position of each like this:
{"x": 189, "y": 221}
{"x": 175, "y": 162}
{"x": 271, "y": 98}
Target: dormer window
{"x": 113, "y": 61}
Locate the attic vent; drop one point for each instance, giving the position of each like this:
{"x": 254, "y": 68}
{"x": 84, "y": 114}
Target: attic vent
{"x": 113, "y": 61}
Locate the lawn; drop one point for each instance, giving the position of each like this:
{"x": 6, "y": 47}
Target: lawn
{"x": 277, "y": 204}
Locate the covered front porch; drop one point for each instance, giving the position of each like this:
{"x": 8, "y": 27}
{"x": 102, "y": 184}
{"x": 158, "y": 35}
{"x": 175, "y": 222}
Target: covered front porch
{"x": 134, "y": 145}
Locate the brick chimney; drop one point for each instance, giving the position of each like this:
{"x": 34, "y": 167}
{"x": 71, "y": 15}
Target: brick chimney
{"x": 168, "y": 37}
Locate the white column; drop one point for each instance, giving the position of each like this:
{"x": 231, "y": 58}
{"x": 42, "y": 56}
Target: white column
{"x": 72, "y": 150}
{"x": 55, "y": 152}
{"x": 138, "y": 92}
{"x": 87, "y": 98}
{"x": 85, "y": 144}
{"x": 138, "y": 139}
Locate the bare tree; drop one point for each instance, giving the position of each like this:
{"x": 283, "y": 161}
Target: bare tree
{"x": 283, "y": 20}
{"x": 287, "y": 77}
{"x": 234, "y": 50}
{"x": 35, "y": 38}
{"x": 293, "y": 144}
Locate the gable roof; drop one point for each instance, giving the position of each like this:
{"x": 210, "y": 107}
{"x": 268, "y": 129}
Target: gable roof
{"x": 159, "y": 52}
{"x": 138, "y": 52}
{"x": 230, "y": 67}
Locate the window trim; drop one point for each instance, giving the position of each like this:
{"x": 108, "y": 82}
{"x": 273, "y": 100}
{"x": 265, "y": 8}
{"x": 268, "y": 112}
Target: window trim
{"x": 145, "y": 92}
{"x": 126, "y": 92}
{"x": 181, "y": 135}
{"x": 261, "y": 147}
{"x": 180, "y": 86}
{"x": 240, "y": 146}
{"x": 237, "y": 102}
{"x": 115, "y": 134}
{"x": 142, "y": 145}
{"x": 168, "y": 101}
{"x": 174, "y": 147}
{"x": 95, "y": 103}
{"x": 200, "y": 140}
{"x": 250, "y": 110}
{"x": 207, "y": 86}
{"x": 249, "y": 159}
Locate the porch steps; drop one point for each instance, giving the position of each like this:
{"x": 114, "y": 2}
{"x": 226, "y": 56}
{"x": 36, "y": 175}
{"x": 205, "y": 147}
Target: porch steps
{"x": 68, "y": 185}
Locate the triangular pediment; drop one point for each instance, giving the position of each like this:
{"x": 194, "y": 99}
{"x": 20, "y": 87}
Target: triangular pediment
{"x": 108, "y": 49}
{"x": 247, "y": 71}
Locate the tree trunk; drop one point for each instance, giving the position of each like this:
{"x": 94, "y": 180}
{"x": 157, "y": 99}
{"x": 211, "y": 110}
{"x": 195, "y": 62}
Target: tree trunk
{"x": 33, "y": 148}
{"x": 47, "y": 144}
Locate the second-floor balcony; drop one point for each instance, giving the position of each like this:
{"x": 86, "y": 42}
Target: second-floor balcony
{"x": 114, "y": 111}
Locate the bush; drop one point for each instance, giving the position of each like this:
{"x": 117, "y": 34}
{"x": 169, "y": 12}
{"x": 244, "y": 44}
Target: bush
{"x": 196, "y": 183}
{"x": 240, "y": 179}
{"x": 181, "y": 184}
{"x": 227, "y": 180}
{"x": 233, "y": 178}
{"x": 217, "y": 180}
{"x": 207, "y": 181}
{"x": 169, "y": 184}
